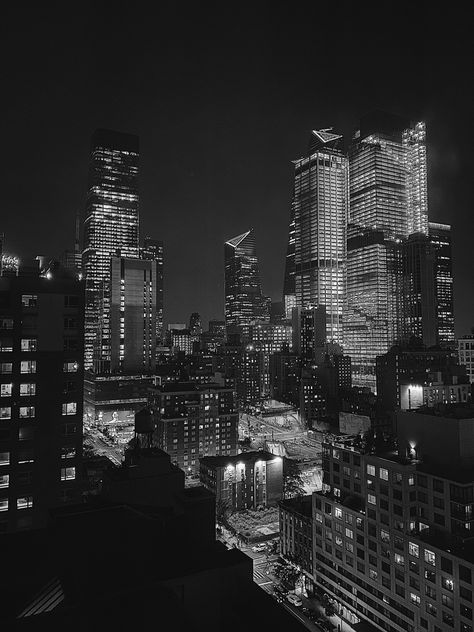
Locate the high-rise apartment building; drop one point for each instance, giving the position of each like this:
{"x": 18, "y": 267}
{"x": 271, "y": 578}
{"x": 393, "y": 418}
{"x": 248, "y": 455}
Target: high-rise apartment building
{"x": 152, "y": 250}
{"x": 132, "y": 289}
{"x": 111, "y": 223}
{"x": 244, "y": 301}
{"x": 41, "y": 391}
{"x": 392, "y": 530}
{"x": 466, "y": 355}
{"x": 195, "y": 420}
{"x": 319, "y": 210}
{"x": 440, "y": 237}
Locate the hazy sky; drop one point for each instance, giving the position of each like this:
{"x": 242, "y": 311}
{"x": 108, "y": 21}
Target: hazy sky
{"x": 223, "y": 98}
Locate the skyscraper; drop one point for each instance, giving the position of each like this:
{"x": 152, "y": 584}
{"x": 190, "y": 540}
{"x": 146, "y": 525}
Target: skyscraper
{"x": 319, "y": 210}
{"x": 244, "y": 301}
{"x": 111, "y": 223}
{"x": 289, "y": 289}
{"x": 440, "y": 237}
{"x": 388, "y": 202}
{"x": 132, "y": 315}
{"x": 153, "y": 250}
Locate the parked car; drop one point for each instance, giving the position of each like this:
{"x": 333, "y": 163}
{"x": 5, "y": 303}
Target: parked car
{"x": 258, "y": 548}
{"x": 294, "y": 599}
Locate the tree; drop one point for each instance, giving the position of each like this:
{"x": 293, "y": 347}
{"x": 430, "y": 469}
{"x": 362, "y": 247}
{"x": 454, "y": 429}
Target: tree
{"x": 292, "y": 480}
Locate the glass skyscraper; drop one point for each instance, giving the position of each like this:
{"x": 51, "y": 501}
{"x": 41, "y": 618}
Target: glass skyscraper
{"x": 244, "y": 301}
{"x": 110, "y": 224}
{"x": 388, "y": 202}
{"x": 152, "y": 249}
{"x": 319, "y": 216}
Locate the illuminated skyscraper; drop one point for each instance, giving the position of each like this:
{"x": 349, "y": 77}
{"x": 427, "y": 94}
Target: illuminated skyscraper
{"x": 440, "y": 237}
{"x": 388, "y": 202}
{"x": 111, "y": 224}
{"x": 319, "y": 210}
{"x": 244, "y": 301}
{"x": 153, "y": 250}
{"x": 289, "y": 289}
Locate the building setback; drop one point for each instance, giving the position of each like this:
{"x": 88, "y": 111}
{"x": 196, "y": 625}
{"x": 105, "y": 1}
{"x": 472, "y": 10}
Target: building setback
{"x": 244, "y": 481}
{"x": 41, "y": 391}
{"x": 111, "y": 223}
{"x": 194, "y": 420}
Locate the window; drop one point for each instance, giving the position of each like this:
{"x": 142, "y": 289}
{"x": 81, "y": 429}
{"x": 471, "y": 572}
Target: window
{"x": 5, "y": 412}
{"x": 71, "y": 301}
{"x": 6, "y": 323}
{"x": 3, "y": 504}
{"x": 24, "y": 502}
{"x": 6, "y": 345}
{"x": 447, "y": 601}
{"x": 29, "y": 300}
{"x": 70, "y": 367}
{"x": 371, "y": 470}
{"x": 28, "y": 366}
{"x": 413, "y": 549}
{"x": 25, "y": 456}
{"x": 415, "y": 599}
{"x": 371, "y": 499}
{"x": 6, "y": 390}
{"x": 69, "y": 452}
{"x": 446, "y": 565}
{"x": 71, "y": 409}
{"x": 399, "y": 559}
{"x": 4, "y": 480}
{"x": 68, "y": 473}
{"x": 383, "y": 474}
{"x": 447, "y": 583}
{"x": 26, "y": 411}
{"x": 384, "y": 536}
{"x": 4, "y": 458}
{"x": 349, "y": 534}
{"x": 28, "y": 344}
{"x": 430, "y": 592}
{"x": 27, "y": 389}
{"x": 373, "y": 574}
{"x": 465, "y": 574}
{"x": 26, "y": 433}
{"x": 6, "y": 368}
{"x": 430, "y": 557}
{"x": 431, "y": 609}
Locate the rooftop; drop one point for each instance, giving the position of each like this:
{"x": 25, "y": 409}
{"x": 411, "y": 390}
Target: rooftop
{"x": 244, "y": 457}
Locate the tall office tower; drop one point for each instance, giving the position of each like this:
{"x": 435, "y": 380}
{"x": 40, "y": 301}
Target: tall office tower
{"x": 195, "y": 325}
{"x": 72, "y": 259}
{"x": 111, "y": 223}
{"x": 244, "y": 301}
{"x": 309, "y": 332}
{"x": 131, "y": 347}
{"x": 388, "y": 201}
{"x": 195, "y": 420}
{"x": 418, "y": 290}
{"x": 152, "y": 250}
{"x": 440, "y": 237}
{"x": 289, "y": 288}
{"x": 392, "y": 530}
{"x": 41, "y": 391}
{"x": 320, "y": 217}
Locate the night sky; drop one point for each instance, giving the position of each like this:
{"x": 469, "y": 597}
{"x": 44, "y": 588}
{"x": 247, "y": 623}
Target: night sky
{"x": 223, "y": 97}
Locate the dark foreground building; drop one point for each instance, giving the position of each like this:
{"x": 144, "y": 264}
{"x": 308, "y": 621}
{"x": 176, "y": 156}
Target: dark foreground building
{"x": 144, "y": 557}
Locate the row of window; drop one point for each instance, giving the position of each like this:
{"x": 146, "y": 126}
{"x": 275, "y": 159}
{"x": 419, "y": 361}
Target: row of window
{"x": 24, "y": 412}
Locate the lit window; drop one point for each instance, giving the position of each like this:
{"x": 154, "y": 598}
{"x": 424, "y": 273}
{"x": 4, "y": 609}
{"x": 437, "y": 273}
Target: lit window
{"x": 430, "y": 557}
{"x": 6, "y": 368}
{"x": 70, "y": 367}
{"x": 413, "y": 549}
{"x": 26, "y": 411}
{"x": 70, "y": 408}
{"x": 399, "y": 559}
{"x": 4, "y": 480}
{"x": 68, "y": 473}
{"x": 5, "y": 412}
{"x": 27, "y": 389}
{"x": 371, "y": 470}
{"x": 29, "y": 300}
{"x": 415, "y": 599}
{"x": 371, "y": 499}
{"x": 24, "y": 502}
{"x": 3, "y": 504}
{"x": 4, "y": 458}
{"x": 383, "y": 473}
{"x": 6, "y": 345}
{"x": 338, "y": 513}
{"x": 28, "y": 344}
{"x": 28, "y": 366}
{"x": 6, "y": 390}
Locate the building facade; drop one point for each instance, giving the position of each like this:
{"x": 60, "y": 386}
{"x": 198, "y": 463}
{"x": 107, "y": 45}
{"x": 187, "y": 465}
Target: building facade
{"x": 41, "y": 391}
{"x": 466, "y": 355}
{"x": 320, "y": 212}
{"x": 440, "y": 237}
{"x": 193, "y": 421}
{"x": 245, "y": 481}
{"x": 152, "y": 250}
{"x": 111, "y": 223}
